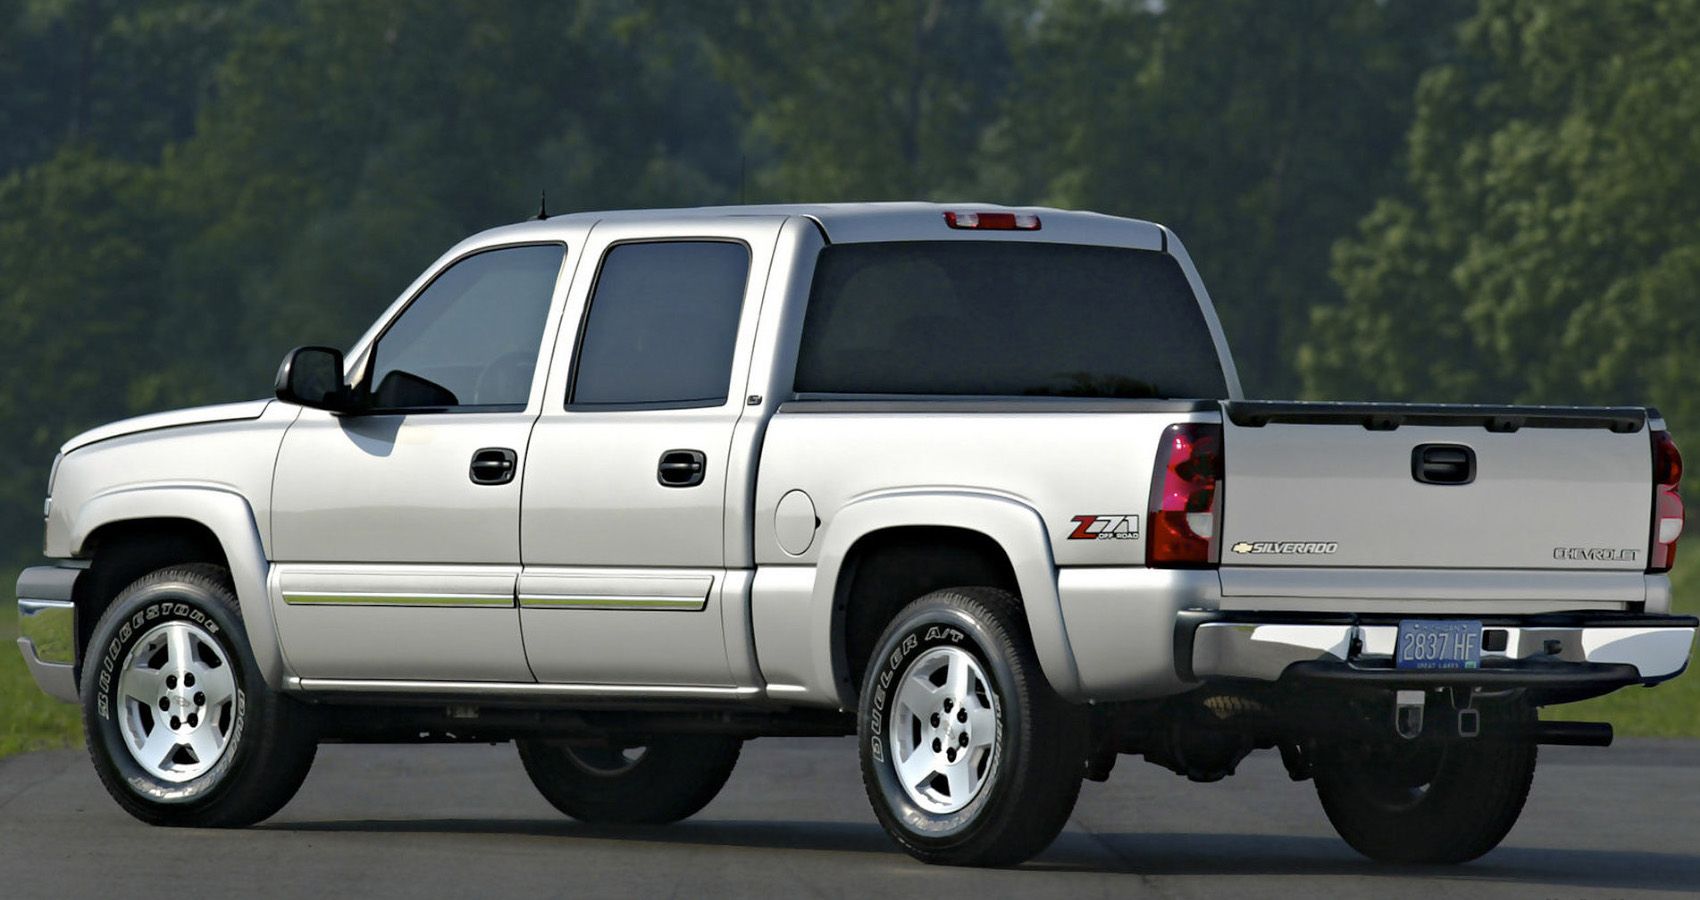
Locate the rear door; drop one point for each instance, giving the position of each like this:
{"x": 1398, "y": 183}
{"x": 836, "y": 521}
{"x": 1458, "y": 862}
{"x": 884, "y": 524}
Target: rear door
{"x": 624, "y": 525}
{"x": 1312, "y": 486}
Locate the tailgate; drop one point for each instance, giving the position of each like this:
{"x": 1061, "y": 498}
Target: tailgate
{"x": 1448, "y": 487}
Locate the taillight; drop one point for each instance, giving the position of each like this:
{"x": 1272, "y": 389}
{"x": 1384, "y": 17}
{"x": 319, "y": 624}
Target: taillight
{"x": 1186, "y": 498}
{"x": 1667, "y": 502}
{"x": 993, "y": 221}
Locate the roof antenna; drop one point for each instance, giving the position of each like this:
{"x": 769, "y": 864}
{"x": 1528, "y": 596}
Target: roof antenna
{"x": 543, "y": 205}
{"x": 743, "y": 159}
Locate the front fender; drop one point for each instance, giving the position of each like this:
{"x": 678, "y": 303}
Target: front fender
{"x": 1013, "y": 525}
{"x": 231, "y": 520}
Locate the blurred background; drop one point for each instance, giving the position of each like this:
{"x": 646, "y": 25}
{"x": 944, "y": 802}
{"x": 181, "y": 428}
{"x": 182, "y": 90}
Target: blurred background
{"x": 1389, "y": 199}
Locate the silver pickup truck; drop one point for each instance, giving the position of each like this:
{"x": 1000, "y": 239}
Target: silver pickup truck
{"x": 975, "y": 484}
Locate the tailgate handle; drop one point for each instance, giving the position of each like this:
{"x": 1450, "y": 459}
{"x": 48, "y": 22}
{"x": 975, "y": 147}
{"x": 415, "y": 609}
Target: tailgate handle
{"x": 1443, "y": 464}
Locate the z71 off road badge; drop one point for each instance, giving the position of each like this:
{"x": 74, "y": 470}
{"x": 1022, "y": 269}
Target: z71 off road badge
{"x": 1104, "y": 528}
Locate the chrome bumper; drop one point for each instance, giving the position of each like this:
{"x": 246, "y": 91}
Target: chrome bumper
{"x": 47, "y": 628}
{"x": 1640, "y": 648}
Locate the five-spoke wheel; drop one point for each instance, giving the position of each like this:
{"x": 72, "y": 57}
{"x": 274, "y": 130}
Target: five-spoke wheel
{"x": 179, "y": 701}
{"x": 944, "y": 729}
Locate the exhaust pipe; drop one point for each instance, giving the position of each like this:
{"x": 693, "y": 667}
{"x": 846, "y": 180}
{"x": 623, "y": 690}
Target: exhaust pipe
{"x": 1572, "y": 734}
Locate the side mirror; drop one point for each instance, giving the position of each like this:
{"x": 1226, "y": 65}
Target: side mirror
{"x": 312, "y": 376}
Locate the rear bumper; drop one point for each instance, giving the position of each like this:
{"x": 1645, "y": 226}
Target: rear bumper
{"x": 47, "y": 628}
{"x": 1581, "y": 652}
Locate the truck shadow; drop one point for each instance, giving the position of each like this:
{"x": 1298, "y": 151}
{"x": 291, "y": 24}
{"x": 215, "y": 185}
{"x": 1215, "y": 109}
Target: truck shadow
{"x": 1182, "y": 855}
{"x": 846, "y": 837}
{"x": 1207, "y": 854}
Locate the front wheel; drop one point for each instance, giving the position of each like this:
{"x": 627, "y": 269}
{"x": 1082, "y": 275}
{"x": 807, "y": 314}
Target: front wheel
{"x": 1404, "y": 802}
{"x": 968, "y": 756}
{"x": 180, "y": 724}
{"x": 667, "y": 779}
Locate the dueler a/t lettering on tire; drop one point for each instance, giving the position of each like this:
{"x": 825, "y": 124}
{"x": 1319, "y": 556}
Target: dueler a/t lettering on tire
{"x": 968, "y": 756}
{"x": 180, "y": 724}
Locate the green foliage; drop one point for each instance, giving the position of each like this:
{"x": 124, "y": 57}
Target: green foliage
{"x": 1543, "y": 247}
{"x": 1259, "y": 131}
{"x": 29, "y": 719}
{"x": 124, "y": 77}
{"x": 79, "y": 236}
{"x": 208, "y": 184}
{"x": 875, "y": 100}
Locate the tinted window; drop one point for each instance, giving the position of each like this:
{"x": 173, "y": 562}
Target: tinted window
{"x": 662, "y": 324}
{"x": 1004, "y": 319}
{"x": 470, "y": 339}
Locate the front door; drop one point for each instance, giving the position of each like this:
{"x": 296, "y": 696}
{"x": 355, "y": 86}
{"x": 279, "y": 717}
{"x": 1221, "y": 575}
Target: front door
{"x": 624, "y": 526}
{"x": 396, "y": 530}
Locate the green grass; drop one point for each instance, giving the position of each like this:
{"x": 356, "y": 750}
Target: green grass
{"x": 1671, "y": 709}
{"x": 30, "y": 720}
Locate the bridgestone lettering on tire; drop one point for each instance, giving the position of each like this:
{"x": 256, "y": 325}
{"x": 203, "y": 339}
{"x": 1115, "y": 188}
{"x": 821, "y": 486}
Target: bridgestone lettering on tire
{"x": 968, "y": 756}
{"x": 179, "y": 723}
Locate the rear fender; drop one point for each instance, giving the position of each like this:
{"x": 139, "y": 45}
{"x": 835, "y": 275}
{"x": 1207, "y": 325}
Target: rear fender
{"x": 1014, "y": 526}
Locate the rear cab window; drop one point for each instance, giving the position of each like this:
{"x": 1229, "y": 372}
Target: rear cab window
{"x": 1004, "y": 318}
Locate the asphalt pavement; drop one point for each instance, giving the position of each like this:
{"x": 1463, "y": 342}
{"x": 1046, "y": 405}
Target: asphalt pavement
{"x": 463, "y": 821}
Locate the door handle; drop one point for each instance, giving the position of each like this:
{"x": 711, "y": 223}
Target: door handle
{"x": 681, "y": 468}
{"x": 494, "y": 465}
{"x": 1443, "y": 464}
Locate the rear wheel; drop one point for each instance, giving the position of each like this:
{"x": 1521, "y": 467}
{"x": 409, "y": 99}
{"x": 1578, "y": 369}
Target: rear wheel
{"x": 667, "y": 779}
{"x": 968, "y": 756}
{"x": 180, "y": 725}
{"x": 1407, "y": 802}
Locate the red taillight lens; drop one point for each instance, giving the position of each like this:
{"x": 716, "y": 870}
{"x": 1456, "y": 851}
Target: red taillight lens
{"x": 1667, "y": 502}
{"x": 993, "y": 221}
{"x": 1186, "y": 498}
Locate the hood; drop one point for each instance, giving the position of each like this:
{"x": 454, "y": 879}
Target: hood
{"x": 197, "y": 415}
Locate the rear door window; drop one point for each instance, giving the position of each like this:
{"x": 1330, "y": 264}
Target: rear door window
{"x": 662, "y": 325}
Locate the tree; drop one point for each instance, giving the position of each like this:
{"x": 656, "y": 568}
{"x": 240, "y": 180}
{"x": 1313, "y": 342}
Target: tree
{"x": 1257, "y": 130}
{"x": 232, "y": 179}
{"x": 122, "y": 76}
{"x": 870, "y": 100}
{"x": 349, "y": 144}
{"x": 79, "y": 236}
{"x": 1543, "y": 245}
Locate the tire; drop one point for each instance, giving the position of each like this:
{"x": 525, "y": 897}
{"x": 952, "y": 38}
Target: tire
{"x": 673, "y": 778}
{"x": 1435, "y": 803}
{"x": 964, "y": 656}
{"x": 237, "y": 752}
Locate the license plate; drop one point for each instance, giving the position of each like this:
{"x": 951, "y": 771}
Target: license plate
{"x": 1431, "y": 644}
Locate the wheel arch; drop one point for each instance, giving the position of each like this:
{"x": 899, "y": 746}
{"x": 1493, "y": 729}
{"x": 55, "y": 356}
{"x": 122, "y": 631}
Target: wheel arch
{"x": 126, "y": 534}
{"x": 995, "y": 537}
